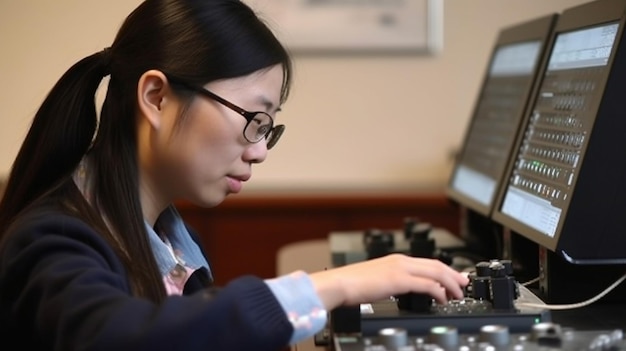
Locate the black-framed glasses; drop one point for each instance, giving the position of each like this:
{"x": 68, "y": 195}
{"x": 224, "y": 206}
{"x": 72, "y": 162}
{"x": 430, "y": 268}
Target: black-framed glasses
{"x": 259, "y": 124}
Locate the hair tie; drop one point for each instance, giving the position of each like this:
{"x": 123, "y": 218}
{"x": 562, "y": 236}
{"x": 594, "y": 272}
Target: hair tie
{"x": 105, "y": 60}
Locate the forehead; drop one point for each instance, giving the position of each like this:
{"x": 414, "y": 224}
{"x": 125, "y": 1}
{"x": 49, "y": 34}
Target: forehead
{"x": 265, "y": 83}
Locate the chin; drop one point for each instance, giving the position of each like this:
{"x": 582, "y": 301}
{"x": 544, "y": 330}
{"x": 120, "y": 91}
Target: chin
{"x": 205, "y": 195}
{"x": 210, "y": 201}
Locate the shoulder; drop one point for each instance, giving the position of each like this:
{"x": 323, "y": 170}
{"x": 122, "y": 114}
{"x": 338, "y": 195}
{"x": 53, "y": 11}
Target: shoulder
{"x": 44, "y": 229}
{"x": 48, "y": 221}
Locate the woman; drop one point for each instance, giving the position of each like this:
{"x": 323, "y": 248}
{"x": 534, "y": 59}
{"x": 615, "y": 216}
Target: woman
{"x": 93, "y": 253}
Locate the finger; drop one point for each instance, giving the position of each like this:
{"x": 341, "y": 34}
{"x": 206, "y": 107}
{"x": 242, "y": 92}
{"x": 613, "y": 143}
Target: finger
{"x": 430, "y": 287}
{"x": 437, "y": 271}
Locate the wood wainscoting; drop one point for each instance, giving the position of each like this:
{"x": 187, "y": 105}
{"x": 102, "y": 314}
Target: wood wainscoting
{"x": 243, "y": 234}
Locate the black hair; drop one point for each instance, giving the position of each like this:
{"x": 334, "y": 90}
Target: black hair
{"x": 195, "y": 40}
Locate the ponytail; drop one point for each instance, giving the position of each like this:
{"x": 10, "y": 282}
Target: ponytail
{"x": 59, "y": 137}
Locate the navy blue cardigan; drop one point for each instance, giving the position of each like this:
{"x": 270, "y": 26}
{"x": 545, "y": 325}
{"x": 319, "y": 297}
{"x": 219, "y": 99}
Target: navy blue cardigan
{"x": 63, "y": 288}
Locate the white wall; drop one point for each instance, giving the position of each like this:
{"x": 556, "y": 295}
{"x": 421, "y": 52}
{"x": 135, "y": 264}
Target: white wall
{"x": 352, "y": 122}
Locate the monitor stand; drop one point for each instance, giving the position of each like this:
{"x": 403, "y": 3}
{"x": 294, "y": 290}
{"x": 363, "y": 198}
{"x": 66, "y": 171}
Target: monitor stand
{"x": 561, "y": 282}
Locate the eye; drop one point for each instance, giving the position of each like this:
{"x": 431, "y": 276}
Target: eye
{"x": 264, "y": 129}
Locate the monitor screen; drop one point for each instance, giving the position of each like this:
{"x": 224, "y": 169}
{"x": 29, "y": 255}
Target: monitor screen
{"x": 556, "y": 138}
{"x": 485, "y": 155}
{"x": 503, "y": 98}
{"x": 562, "y": 183}
{"x": 583, "y": 48}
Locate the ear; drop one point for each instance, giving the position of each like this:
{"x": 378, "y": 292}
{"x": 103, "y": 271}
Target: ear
{"x": 152, "y": 90}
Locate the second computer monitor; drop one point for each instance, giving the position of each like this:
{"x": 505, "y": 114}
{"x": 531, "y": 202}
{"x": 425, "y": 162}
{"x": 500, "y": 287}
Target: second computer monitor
{"x": 503, "y": 99}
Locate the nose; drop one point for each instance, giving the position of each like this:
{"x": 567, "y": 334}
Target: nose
{"x": 256, "y": 152}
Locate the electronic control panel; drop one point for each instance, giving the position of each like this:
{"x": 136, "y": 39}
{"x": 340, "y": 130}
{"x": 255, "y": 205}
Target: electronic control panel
{"x": 492, "y": 296}
{"x": 542, "y": 336}
{"x": 417, "y": 238}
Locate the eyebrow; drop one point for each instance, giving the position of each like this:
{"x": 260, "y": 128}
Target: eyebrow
{"x": 269, "y": 105}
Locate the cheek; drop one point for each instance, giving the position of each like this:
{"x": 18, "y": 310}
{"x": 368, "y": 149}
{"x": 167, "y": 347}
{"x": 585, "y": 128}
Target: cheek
{"x": 203, "y": 150}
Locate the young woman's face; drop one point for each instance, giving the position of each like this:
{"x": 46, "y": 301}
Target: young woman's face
{"x": 206, "y": 157}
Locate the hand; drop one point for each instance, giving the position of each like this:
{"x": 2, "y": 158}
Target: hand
{"x": 386, "y": 276}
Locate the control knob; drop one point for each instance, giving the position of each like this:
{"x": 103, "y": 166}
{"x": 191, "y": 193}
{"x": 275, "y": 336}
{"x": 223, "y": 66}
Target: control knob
{"x": 393, "y": 338}
{"x": 446, "y": 337}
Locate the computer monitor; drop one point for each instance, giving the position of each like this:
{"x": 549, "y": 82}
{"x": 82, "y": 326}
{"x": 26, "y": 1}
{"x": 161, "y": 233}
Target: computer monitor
{"x": 499, "y": 109}
{"x": 479, "y": 169}
{"x": 565, "y": 185}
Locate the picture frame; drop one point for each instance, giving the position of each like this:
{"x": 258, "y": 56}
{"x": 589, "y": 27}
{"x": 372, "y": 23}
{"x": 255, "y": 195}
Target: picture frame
{"x": 355, "y": 26}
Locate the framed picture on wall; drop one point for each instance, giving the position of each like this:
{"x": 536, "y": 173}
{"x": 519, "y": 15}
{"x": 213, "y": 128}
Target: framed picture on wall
{"x": 355, "y": 26}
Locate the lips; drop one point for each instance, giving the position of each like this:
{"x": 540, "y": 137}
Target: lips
{"x": 235, "y": 183}
{"x": 242, "y": 178}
